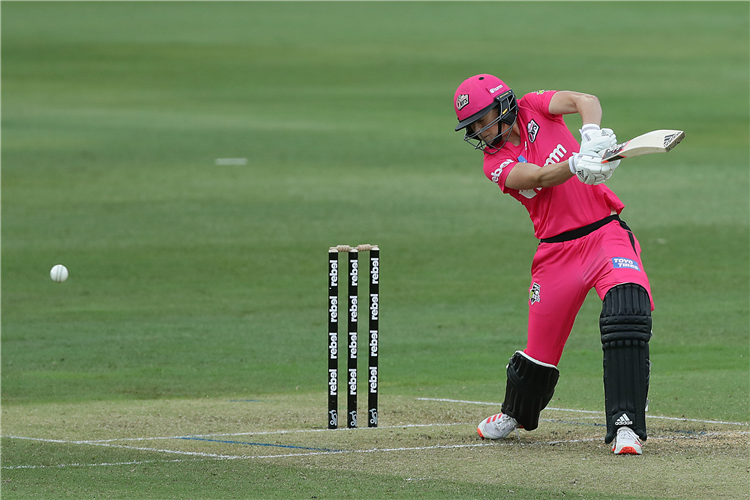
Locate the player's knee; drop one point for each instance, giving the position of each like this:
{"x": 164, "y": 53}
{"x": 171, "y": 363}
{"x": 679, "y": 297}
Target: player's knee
{"x": 626, "y": 314}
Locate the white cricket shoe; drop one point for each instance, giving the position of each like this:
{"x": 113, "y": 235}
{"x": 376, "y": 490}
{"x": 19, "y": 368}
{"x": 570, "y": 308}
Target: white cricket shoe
{"x": 497, "y": 426}
{"x": 626, "y": 442}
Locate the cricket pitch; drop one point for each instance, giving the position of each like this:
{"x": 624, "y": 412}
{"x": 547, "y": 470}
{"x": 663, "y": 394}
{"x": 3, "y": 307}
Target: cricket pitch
{"x": 419, "y": 439}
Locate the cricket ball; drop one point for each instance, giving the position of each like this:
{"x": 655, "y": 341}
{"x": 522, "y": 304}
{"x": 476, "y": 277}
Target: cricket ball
{"x": 59, "y": 273}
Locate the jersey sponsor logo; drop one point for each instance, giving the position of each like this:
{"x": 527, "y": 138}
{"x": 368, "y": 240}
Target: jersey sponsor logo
{"x": 462, "y": 101}
{"x": 532, "y": 128}
{"x": 540, "y": 92}
{"x": 623, "y": 263}
{"x": 529, "y": 193}
{"x": 535, "y": 293}
{"x": 556, "y": 155}
{"x": 495, "y": 175}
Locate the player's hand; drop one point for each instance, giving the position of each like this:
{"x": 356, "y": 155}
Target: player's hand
{"x": 594, "y": 140}
{"x": 589, "y": 168}
{"x": 614, "y": 165}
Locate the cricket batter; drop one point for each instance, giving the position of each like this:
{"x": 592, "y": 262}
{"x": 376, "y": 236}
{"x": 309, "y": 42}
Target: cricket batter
{"x": 531, "y": 155}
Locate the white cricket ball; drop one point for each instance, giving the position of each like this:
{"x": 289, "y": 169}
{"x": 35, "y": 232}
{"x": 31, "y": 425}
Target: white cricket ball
{"x": 59, "y": 273}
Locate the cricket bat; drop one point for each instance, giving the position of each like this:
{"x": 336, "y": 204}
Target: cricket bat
{"x": 658, "y": 141}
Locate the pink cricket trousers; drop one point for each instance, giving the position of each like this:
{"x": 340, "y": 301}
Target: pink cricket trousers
{"x": 562, "y": 275}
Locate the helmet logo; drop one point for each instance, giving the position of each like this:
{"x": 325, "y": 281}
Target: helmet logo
{"x": 462, "y": 101}
{"x": 492, "y": 91}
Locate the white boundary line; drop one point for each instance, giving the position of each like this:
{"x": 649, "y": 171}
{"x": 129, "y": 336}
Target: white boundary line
{"x": 678, "y": 419}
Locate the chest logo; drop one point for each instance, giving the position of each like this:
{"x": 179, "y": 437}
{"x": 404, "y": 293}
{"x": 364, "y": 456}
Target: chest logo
{"x": 557, "y": 155}
{"x": 532, "y": 128}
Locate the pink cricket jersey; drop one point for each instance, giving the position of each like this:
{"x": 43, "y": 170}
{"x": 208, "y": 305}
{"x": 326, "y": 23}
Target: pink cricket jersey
{"x": 545, "y": 139}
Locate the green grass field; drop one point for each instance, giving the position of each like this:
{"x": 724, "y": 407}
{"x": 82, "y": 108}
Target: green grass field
{"x": 185, "y": 355}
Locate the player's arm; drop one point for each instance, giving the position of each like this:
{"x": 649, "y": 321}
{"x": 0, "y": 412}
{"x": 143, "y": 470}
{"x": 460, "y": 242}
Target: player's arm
{"x": 530, "y": 176}
{"x": 566, "y": 102}
{"x": 587, "y": 167}
{"x": 594, "y": 139}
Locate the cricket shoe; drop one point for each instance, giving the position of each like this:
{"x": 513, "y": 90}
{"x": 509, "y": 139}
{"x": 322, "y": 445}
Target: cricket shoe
{"x": 626, "y": 442}
{"x": 497, "y": 426}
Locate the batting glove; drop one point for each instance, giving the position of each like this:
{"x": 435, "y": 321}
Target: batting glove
{"x": 589, "y": 168}
{"x": 594, "y": 140}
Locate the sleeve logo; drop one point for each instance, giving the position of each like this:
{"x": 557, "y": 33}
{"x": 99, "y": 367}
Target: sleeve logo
{"x": 495, "y": 176}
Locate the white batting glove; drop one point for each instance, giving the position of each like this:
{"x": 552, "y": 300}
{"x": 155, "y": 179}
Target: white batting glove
{"x": 589, "y": 168}
{"x": 615, "y": 164}
{"x": 594, "y": 139}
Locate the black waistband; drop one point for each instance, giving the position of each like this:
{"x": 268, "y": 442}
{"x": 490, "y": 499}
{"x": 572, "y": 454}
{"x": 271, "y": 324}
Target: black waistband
{"x": 582, "y": 231}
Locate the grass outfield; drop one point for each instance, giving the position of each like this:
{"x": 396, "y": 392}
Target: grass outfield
{"x": 195, "y": 307}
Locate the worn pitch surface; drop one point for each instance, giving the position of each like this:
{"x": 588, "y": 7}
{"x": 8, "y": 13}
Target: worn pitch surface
{"x": 419, "y": 439}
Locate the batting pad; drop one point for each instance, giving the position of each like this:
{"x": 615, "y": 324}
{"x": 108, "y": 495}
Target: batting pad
{"x": 530, "y": 387}
{"x": 625, "y": 324}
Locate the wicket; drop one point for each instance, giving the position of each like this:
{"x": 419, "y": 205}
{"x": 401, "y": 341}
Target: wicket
{"x": 352, "y": 328}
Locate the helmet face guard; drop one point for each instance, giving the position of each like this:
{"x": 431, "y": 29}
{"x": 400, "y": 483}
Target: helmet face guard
{"x": 507, "y": 113}
{"x": 475, "y": 98}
